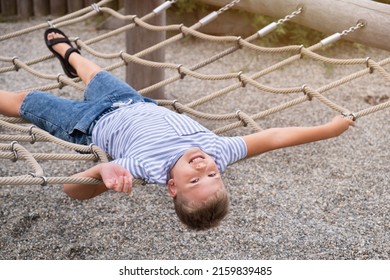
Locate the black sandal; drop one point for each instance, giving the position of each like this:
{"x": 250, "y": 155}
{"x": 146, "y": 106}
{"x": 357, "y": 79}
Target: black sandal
{"x": 68, "y": 69}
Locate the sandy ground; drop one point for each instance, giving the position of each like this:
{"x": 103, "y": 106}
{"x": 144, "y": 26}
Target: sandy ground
{"x": 325, "y": 200}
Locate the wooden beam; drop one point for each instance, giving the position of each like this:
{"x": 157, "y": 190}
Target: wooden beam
{"x": 8, "y": 7}
{"x": 58, "y": 8}
{"x": 137, "y": 39}
{"x": 328, "y": 16}
{"x": 41, "y": 7}
{"x": 25, "y": 8}
{"x": 75, "y": 5}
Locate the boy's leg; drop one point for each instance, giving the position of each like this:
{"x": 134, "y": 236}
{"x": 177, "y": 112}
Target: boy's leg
{"x": 85, "y": 68}
{"x": 10, "y": 103}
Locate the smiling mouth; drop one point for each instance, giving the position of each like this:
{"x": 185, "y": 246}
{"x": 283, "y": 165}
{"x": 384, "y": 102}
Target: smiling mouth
{"x": 195, "y": 159}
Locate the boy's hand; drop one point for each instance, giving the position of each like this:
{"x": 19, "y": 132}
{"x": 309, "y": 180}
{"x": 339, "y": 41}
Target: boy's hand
{"x": 116, "y": 178}
{"x": 339, "y": 124}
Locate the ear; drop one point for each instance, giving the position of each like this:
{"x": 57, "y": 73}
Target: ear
{"x": 172, "y": 188}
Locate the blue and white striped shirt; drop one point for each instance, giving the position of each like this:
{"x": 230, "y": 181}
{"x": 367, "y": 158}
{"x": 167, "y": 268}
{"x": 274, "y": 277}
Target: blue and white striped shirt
{"x": 148, "y": 139}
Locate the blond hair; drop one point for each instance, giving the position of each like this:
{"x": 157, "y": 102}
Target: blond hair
{"x": 203, "y": 215}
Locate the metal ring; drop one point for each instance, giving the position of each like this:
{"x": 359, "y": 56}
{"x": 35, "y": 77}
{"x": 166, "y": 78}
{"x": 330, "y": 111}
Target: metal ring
{"x": 121, "y": 56}
{"x": 75, "y": 41}
{"x": 239, "y": 38}
{"x": 240, "y": 118}
{"x": 362, "y": 22}
{"x": 96, "y": 8}
{"x": 51, "y": 25}
{"x": 243, "y": 84}
{"x": 174, "y": 106}
{"x": 368, "y": 65}
{"x": 45, "y": 180}
{"x": 182, "y": 75}
{"x": 61, "y": 84}
{"x": 300, "y": 51}
{"x": 16, "y": 157}
{"x": 93, "y": 152}
{"x": 33, "y": 137}
{"x": 350, "y": 114}
{"x": 181, "y": 29}
{"x": 309, "y": 97}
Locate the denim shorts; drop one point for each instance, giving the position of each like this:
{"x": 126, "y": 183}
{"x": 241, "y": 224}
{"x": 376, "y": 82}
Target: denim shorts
{"x": 73, "y": 120}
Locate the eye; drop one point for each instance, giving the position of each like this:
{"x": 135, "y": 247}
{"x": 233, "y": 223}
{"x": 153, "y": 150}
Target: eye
{"x": 193, "y": 181}
{"x": 213, "y": 174}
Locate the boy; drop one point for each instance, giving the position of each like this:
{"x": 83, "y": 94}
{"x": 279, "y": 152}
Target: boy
{"x": 147, "y": 141}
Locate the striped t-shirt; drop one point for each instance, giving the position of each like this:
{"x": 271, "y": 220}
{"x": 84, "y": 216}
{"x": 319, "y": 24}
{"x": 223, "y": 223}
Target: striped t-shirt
{"x": 148, "y": 139}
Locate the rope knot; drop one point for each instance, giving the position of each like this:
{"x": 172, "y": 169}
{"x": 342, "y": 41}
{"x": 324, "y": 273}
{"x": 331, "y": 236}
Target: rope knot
{"x": 305, "y": 92}
{"x": 15, "y": 65}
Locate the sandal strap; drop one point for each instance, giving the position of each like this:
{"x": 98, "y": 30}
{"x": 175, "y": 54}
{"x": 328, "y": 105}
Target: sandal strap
{"x": 69, "y": 67}
{"x": 56, "y": 41}
{"x": 69, "y": 52}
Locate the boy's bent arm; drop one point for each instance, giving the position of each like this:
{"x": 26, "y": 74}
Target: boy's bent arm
{"x": 275, "y": 138}
{"x": 113, "y": 177}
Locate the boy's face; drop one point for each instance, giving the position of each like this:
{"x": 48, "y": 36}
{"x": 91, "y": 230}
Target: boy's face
{"x": 195, "y": 176}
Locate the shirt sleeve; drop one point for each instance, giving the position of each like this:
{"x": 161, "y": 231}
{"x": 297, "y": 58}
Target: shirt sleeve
{"x": 135, "y": 167}
{"x": 140, "y": 171}
{"x": 232, "y": 149}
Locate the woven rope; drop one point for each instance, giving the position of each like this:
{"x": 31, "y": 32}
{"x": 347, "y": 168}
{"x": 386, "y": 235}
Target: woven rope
{"x": 238, "y": 119}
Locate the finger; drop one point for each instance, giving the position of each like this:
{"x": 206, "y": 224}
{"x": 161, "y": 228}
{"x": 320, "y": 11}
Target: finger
{"x": 110, "y": 183}
{"x": 129, "y": 184}
{"x": 126, "y": 185}
{"x": 120, "y": 186}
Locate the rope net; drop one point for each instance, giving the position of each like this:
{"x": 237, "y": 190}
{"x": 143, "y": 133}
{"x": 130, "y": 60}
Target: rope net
{"x": 15, "y": 131}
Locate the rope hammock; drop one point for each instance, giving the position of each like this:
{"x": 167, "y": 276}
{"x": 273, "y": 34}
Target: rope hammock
{"x": 11, "y": 149}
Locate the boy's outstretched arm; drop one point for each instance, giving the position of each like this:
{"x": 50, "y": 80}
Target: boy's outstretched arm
{"x": 114, "y": 177}
{"x": 275, "y": 138}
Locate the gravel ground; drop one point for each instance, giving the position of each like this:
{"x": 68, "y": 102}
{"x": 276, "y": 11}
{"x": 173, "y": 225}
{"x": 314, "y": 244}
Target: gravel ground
{"x": 325, "y": 200}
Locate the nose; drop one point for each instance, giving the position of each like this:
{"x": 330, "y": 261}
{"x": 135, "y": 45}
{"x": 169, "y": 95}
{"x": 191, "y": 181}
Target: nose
{"x": 200, "y": 165}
